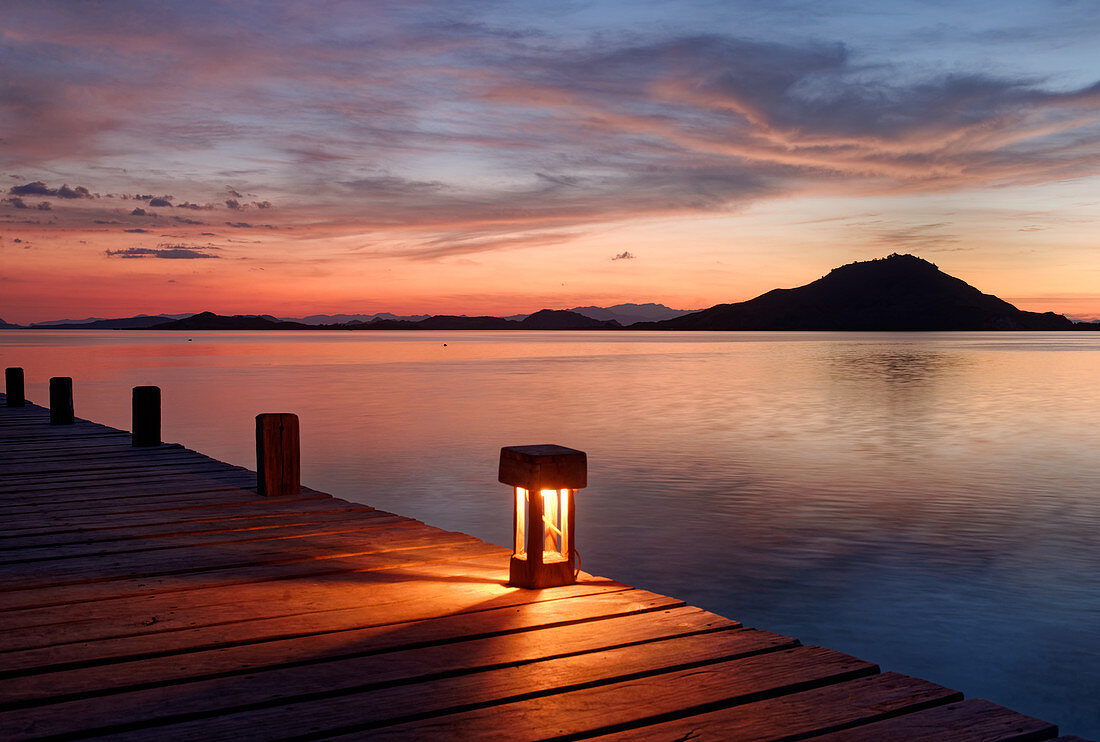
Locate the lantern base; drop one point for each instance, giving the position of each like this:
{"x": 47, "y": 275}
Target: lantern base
{"x": 526, "y": 573}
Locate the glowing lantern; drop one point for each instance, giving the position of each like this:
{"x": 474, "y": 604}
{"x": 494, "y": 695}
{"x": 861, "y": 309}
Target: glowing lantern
{"x": 544, "y": 480}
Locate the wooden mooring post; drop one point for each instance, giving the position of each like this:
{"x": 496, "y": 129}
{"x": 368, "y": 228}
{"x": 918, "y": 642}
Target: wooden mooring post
{"x": 61, "y": 401}
{"x": 145, "y": 416}
{"x": 13, "y": 387}
{"x": 278, "y": 468}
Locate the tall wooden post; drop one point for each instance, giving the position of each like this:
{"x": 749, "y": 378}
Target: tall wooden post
{"x": 145, "y": 416}
{"x": 13, "y": 387}
{"x": 278, "y": 469}
{"x": 61, "y": 401}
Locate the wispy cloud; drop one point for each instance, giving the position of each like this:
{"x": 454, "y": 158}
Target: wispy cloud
{"x": 497, "y": 132}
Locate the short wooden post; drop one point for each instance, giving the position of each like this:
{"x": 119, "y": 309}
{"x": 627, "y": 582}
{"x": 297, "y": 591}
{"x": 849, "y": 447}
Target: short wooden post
{"x": 13, "y": 387}
{"x": 61, "y": 401}
{"x": 278, "y": 469}
{"x": 145, "y": 416}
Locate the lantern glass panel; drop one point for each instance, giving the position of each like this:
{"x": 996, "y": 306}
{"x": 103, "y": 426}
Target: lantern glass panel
{"x": 555, "y": 520}
{"x": 522, "y": 501}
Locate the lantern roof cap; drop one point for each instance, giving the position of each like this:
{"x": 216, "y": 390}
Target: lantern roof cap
{"x": 544, "y": 466}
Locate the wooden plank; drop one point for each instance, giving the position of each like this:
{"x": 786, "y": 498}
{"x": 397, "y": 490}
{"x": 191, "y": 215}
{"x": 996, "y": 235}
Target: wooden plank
{"x": 125, "y": 500}
{"x": 447, "y": 645}
{"x": 233, "y": 706}
{"x": 376, "y": 617}
{"x": 178, "y": 481}
{"x": 422, "y": 554}
{"x": 94, "y": 496}
{"x": 41, "y": 416}
{"x": 975, "y": 720}
{"x": 115, "y": 466}
{"x": 16, "y": 551}
{"x": 23, "y": 483}
{"x": 13, "y": 544}
{"x": 193, "y": 562}
{"x": 213, "y": 511}
{"x": 579, "y": 711}
{"x": 216, "y": 627}
{"x": 17, "y": 449}
{"x": 469, "y": 581}
{"x": 112, "y": 461}
{"x": 47, "y": 435}
{"x": 184, "y": 506}
{"x": 795, "y": 716}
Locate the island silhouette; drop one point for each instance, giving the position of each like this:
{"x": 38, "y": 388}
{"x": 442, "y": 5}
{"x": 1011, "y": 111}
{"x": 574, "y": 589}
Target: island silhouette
{"x": 899, "y": 292}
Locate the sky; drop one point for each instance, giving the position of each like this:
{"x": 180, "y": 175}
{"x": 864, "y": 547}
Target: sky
{"x": 482, "y": 157}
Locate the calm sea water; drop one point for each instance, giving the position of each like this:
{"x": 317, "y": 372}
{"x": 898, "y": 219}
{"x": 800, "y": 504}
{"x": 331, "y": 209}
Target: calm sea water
{"x": 925, "y": 501}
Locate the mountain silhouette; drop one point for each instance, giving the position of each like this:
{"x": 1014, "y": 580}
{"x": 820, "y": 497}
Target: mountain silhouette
{"x": 211, "y": 321}
{"x": 563, "y": 319}
{"x": 544, "y": 319}
{"x": 628, "y": 314}
{"x": 899, "y": 292}
{"x": 140, "y": 322}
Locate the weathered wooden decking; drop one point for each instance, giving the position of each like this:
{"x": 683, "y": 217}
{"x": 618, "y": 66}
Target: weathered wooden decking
{"x": 151, "y": 594}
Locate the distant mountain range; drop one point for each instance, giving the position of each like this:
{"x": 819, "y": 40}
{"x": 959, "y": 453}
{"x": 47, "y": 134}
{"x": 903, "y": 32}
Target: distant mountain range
{"x": 100, "y": 323}
{"x": 895, "y": 293}
{"x": 337, "y": 319}
{"x": 624, "y": 314}
{"x": 546, "y": 319}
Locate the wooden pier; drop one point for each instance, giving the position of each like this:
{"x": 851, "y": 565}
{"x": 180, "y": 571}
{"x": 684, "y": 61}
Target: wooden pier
{"x": 151, "y": 593}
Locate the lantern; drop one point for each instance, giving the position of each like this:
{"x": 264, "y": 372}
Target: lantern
{"x": 544, "y": 480}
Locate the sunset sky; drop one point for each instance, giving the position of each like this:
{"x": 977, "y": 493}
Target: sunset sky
{"x": 461, "y": 156}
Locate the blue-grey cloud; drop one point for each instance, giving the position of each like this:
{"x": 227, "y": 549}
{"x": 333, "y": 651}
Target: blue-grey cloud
{"x": 78, "y": 192}
{"x": 166, "y": 252}
{"x": 39, "y": 188}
